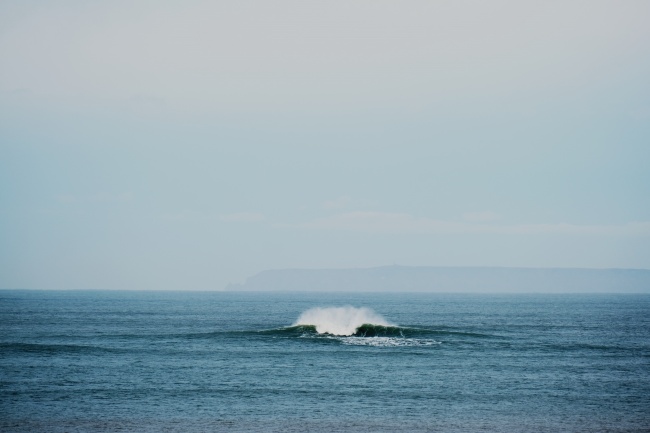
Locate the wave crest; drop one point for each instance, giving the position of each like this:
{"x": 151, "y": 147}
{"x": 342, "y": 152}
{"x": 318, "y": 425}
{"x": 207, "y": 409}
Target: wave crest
{"x": 342, "y": 321}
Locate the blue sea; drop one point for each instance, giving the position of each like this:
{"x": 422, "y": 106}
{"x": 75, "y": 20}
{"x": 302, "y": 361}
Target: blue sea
{"x": 95, "y": 361}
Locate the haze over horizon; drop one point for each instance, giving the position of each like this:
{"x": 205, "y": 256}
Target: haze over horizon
{"x": 188, "y": 145}
{"x": 403, "y": 279}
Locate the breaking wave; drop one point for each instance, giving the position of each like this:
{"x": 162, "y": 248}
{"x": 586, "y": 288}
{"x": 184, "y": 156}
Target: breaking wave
{"x": 345, "y": 321}
{"x": 362, "y": 331}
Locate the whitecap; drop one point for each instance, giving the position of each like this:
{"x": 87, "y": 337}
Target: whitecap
{"x": 340, "y": 320}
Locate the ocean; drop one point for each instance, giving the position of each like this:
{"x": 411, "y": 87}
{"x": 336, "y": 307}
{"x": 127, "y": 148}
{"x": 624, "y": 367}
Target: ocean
{"x": 109, "y": 361}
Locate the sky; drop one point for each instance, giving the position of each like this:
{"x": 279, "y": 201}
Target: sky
{"x": 176, "y": 145}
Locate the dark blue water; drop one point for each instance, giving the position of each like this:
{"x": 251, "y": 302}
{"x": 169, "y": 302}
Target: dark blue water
{"x": 190, "y": 362}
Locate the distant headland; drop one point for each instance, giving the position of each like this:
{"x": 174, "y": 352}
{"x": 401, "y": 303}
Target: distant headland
{"x": 450, "y": 280}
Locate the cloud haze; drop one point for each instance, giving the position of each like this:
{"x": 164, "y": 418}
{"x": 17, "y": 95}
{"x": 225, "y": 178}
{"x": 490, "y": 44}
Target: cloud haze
{"x": 383, "y": 222}
{"x": 185, "y": 145}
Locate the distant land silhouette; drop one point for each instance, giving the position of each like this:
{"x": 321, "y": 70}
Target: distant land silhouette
{"x": 450, "y": 279}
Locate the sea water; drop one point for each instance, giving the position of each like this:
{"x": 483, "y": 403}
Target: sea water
{"x": 323, "y": 362}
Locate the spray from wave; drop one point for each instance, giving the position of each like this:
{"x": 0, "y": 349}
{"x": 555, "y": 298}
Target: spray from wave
{"x": 341, "y": 321}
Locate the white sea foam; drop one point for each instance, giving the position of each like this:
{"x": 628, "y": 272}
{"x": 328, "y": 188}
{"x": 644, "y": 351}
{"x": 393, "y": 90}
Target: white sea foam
{"x": 340, "y": 320}
{"x": 388, "y": 342}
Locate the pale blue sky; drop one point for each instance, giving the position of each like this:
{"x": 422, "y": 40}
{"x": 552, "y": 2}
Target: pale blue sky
{"x": 185, "y": 145}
